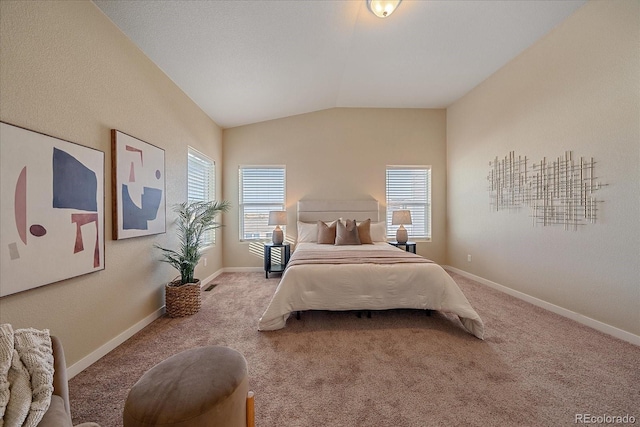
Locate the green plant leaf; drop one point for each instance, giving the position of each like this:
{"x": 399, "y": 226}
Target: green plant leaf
{"x": 193, "y": 220}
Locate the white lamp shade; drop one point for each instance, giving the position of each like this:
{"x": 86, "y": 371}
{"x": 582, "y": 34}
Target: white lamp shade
{"x": 401, "y": 217}
{"x": 277, "y": 218}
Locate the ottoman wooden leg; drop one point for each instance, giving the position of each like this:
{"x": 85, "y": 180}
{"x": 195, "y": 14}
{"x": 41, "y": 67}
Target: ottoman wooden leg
{"x": 251, "y": 415}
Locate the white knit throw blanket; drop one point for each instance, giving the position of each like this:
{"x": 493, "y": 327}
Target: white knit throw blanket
{"x": 26, "y": 376}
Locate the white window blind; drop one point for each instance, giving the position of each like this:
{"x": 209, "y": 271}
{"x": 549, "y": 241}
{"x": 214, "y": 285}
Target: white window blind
{"x": 262, "y": 189}
{"x": 201, "y": 173}
{"x": 409, "y": 187}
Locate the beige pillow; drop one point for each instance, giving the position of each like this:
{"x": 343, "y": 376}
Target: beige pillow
{"x": 326, "y": 233}
{"x": 347, "y": 234}
{"x": 364, "y": 232}
{"x": 307, "y": 232}
{"x": 378, "y": 231}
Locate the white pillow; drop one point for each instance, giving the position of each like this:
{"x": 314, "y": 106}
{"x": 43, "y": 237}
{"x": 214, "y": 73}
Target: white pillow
{"x": 378, "y": 231}
{"x": 307, "y": 232}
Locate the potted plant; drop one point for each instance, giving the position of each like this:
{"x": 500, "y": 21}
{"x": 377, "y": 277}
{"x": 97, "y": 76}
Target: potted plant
{"x": 182, "y": 295}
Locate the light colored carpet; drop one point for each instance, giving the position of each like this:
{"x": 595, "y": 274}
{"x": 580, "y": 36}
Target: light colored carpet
{"x": 399, "y": 368}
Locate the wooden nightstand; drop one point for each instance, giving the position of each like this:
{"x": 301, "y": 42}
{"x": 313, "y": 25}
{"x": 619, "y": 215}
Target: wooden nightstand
{"x": 409, "y": 246}
{"x": 285, "y": 253}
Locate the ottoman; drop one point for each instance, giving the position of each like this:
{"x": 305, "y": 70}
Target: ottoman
{"x": 206, "y": 386}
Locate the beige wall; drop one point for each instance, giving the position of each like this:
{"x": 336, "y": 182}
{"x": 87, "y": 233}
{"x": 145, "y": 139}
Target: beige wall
{"x": 338, "y": 154}
{"x": 67, "y": 71}
{"x": 576, "y": 89}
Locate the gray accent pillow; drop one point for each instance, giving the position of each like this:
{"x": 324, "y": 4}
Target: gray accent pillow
{"x": 326, "y": 233}
{"x": 347, "y": 234}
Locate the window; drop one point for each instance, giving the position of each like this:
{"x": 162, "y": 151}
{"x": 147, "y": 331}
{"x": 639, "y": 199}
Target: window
{"x": 262, "y": 189}
{"x": 409, "y": 187}
{"x": 201, "y": 173}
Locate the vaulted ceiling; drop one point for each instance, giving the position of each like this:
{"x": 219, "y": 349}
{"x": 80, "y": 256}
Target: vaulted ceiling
{"x": 248, "y": 61}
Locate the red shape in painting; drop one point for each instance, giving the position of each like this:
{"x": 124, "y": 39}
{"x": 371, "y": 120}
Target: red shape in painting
{"x": 132, "y": 173}
{"x": 21, "y": 205}
{"x": 135, "y": 150}
{"x": 80, "y": 220}
{"x": 37, "y": 230}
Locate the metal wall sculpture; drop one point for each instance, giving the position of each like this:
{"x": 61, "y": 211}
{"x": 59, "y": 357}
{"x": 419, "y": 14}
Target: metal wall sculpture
{"x": 559, "y": 191}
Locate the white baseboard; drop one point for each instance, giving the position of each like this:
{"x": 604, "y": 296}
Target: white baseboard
{"x": 580, "y": 318}
{"x": 101, "y": 351}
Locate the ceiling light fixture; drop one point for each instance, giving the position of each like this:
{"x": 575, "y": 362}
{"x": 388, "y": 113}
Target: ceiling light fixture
{"x": 383, "y": 8}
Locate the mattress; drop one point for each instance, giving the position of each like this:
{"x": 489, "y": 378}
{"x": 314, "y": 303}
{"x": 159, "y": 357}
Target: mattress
{"x": 366, "y": 286}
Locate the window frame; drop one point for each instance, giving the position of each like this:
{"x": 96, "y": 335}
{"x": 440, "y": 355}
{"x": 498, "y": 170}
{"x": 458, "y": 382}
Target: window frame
{"x": 414, "y": 207}
{"x": 210, "y": 164}
{"x": 269, "y": 205}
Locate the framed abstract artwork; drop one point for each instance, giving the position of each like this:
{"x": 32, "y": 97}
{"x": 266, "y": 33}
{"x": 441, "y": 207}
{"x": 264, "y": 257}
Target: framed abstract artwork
{"x": 52, "y": 209}
{"x": 137, "y": 177}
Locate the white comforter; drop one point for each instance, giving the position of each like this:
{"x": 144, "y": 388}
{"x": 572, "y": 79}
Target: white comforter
{"x": 366, "y": 287}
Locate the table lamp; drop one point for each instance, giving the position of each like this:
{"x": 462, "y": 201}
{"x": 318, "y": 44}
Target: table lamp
{"x": 401, "y": 217}
{"x": 277, "y": 218}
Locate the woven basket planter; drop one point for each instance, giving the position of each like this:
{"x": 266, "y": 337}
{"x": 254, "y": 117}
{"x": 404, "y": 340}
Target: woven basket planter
{"x": 182, "y": 300}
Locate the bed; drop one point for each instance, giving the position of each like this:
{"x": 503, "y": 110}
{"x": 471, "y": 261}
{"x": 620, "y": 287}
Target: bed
{"x": 376, "y": 276}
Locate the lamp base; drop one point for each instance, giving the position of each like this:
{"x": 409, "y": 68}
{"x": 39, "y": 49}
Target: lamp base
{"x": 277, "y": 236}
{"x": 401, "y": 235}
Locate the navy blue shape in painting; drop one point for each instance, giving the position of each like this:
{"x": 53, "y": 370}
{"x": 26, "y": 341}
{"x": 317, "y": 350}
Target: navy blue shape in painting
{"x": 135, "y": 218}
{"x": 75, "y": 186}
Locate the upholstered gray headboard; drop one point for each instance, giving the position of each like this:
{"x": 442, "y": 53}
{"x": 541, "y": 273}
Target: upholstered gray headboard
{"x": 329, "y": 210}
